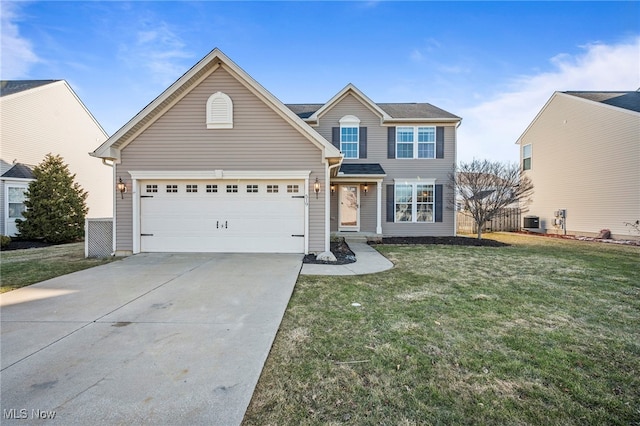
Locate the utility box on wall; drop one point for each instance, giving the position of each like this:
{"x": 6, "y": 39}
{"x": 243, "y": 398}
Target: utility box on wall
{"x": 531, "y": 222}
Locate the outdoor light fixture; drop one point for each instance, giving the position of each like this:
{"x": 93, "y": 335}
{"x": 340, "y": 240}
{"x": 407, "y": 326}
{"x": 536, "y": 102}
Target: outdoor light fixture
{"x": 365, "y": 188}
{"x": 121, "y": 187}
{"x": 333, "y": 189}
{"x": 316, "y": 187}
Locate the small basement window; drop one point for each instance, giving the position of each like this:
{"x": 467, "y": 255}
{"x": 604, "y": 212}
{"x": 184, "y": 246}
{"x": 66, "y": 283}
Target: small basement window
{"x": 219, "y": 111}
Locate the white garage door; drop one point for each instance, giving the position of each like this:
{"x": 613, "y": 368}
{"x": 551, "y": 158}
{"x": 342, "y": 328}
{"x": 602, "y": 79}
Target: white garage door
{"x": 222, "y": 216}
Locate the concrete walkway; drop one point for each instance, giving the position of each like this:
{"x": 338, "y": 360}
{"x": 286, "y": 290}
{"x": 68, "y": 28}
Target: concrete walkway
{"x": 167, "y": 339}
{"x": 368, "y": 261}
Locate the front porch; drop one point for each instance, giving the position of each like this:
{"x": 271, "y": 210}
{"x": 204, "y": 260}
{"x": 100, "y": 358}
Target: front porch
{"x": 356, "y": 201}
{"x": 360, "y": 237}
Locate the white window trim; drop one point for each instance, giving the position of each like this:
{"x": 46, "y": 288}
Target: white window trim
{"x": 414, "y": 196}
{"x": 18, "y": 183}
{"x": 416, "y": 143}
{"x": 529, "y": 157}
{"x": 225, "y": 121}
{"x": 350, "y": 121}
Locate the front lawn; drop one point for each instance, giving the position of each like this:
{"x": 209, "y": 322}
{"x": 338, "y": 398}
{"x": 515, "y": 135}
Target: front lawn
{"x": 19, "y": 268}
{"x": 544, "y": 331}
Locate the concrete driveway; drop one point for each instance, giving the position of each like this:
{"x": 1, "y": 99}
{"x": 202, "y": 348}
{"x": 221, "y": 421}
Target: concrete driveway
{"x": 151, "y": 339}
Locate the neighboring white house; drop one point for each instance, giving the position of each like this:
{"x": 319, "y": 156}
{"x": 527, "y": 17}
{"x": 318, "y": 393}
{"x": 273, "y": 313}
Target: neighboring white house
{"x": 38, "y": 117}
{"x": 582, "y": 152}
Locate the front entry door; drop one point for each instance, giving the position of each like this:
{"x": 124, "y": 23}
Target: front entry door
{"x": 349, "y": 208}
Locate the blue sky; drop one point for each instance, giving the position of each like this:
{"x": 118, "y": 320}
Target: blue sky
{"x": 495, "y": 64}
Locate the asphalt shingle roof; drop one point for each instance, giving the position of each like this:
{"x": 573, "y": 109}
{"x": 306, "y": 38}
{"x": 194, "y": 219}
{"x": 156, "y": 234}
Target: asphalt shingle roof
{"x": 9, "y": 87}
{"x": 626, "y": 100}
{"x": 19, "y": 171}
{"x": 361, "y": 169}
{"x": 395, "y": 110}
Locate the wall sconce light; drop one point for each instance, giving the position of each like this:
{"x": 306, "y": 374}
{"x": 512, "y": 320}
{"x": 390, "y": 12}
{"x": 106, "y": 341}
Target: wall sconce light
{"x": 121, "y": 187}
{"x": 316, "y": 187}
{"x": 333, "y": 189}
{"x": 365, "y": 188}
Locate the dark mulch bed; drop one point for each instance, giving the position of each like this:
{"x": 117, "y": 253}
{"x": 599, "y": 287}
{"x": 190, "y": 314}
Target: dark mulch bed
{"x": 341, "y": 251}
{"x": 451, "y": 241}
{"x": 25, "y": 244}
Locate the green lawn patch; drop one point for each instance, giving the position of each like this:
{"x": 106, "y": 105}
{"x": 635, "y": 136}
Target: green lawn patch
{"x": 543, "y": 331}
{"x": 19, "y": 268}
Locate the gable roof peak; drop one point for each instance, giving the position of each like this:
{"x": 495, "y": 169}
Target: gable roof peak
{"x": 214, "y": 60}
{"x": 350, "y": 88}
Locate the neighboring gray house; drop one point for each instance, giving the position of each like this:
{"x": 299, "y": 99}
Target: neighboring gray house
{"x": 38, "y": 117}
{"x": 217, "y": 163}
{"x": 582, "y": 152}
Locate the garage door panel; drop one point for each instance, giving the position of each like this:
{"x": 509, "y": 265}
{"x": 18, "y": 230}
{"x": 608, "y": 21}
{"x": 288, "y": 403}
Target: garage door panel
{"x": 242, "y": 221}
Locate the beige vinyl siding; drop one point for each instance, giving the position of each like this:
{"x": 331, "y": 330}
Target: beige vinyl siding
{"x": 586, "y": 159}
{"x": 259, "y": 140}
{"x": 51, "y": 119}
{"x": 438, "y": 169}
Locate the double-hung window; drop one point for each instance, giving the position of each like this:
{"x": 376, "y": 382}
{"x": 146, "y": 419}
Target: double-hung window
{"x": 414, "y": 202}
{"x": 350, "y": 136}
{"x": 526, "y": 157}
{"x": 416, "y": 142}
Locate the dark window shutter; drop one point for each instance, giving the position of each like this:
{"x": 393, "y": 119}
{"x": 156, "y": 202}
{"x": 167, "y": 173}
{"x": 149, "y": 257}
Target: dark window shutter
{"x": 438, "y": 200}
{"x": 390, "y": 204}
{"x": 363, "y": 143}
{"x": 391, "y": 142}
{"x": 439, "y": 142}
{"x": 335, "y": 137}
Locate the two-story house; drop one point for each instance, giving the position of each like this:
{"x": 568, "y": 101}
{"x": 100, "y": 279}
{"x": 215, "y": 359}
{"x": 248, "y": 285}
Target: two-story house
{"x": 38, "y": 117}
{"x": 217, "y": 163}
{"x": 582, "y": 152}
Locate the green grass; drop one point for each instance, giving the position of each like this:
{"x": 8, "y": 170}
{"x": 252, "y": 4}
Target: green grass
{"x": 19, "y": 268}
{"x": 544, "y": 331}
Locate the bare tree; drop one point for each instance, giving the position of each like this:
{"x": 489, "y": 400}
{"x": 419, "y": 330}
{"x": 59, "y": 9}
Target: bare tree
{"x": 484, "y": 187}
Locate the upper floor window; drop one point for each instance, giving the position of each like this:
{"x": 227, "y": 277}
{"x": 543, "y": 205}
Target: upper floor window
{"x": 526, "y": 157}
{"x": 350, "y": 136}
{"x": 416, "y": 142}
{"x": 219, "y": 111}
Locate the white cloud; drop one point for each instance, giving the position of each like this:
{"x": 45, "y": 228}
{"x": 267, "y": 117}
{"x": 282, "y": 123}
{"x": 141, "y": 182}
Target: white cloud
{"x": 17, "y": 53}
{"x": 491, "y": 128}
{"x": 160, "y": 51}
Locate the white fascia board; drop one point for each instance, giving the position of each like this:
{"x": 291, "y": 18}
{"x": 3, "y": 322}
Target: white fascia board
{"x": 10, "y": 180}
{"x": 341, "y": 94}
{"x": 329, "y": 151}
{"x": 146, "y": 111}
{"x": 519, "y": 140}
{"x": 397, "y": 121}
{"x": 220, "y": 174}
{"x": 345, "y": 178}
{"x": 371, "y": 179}
{"x": 84, "y": 107}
